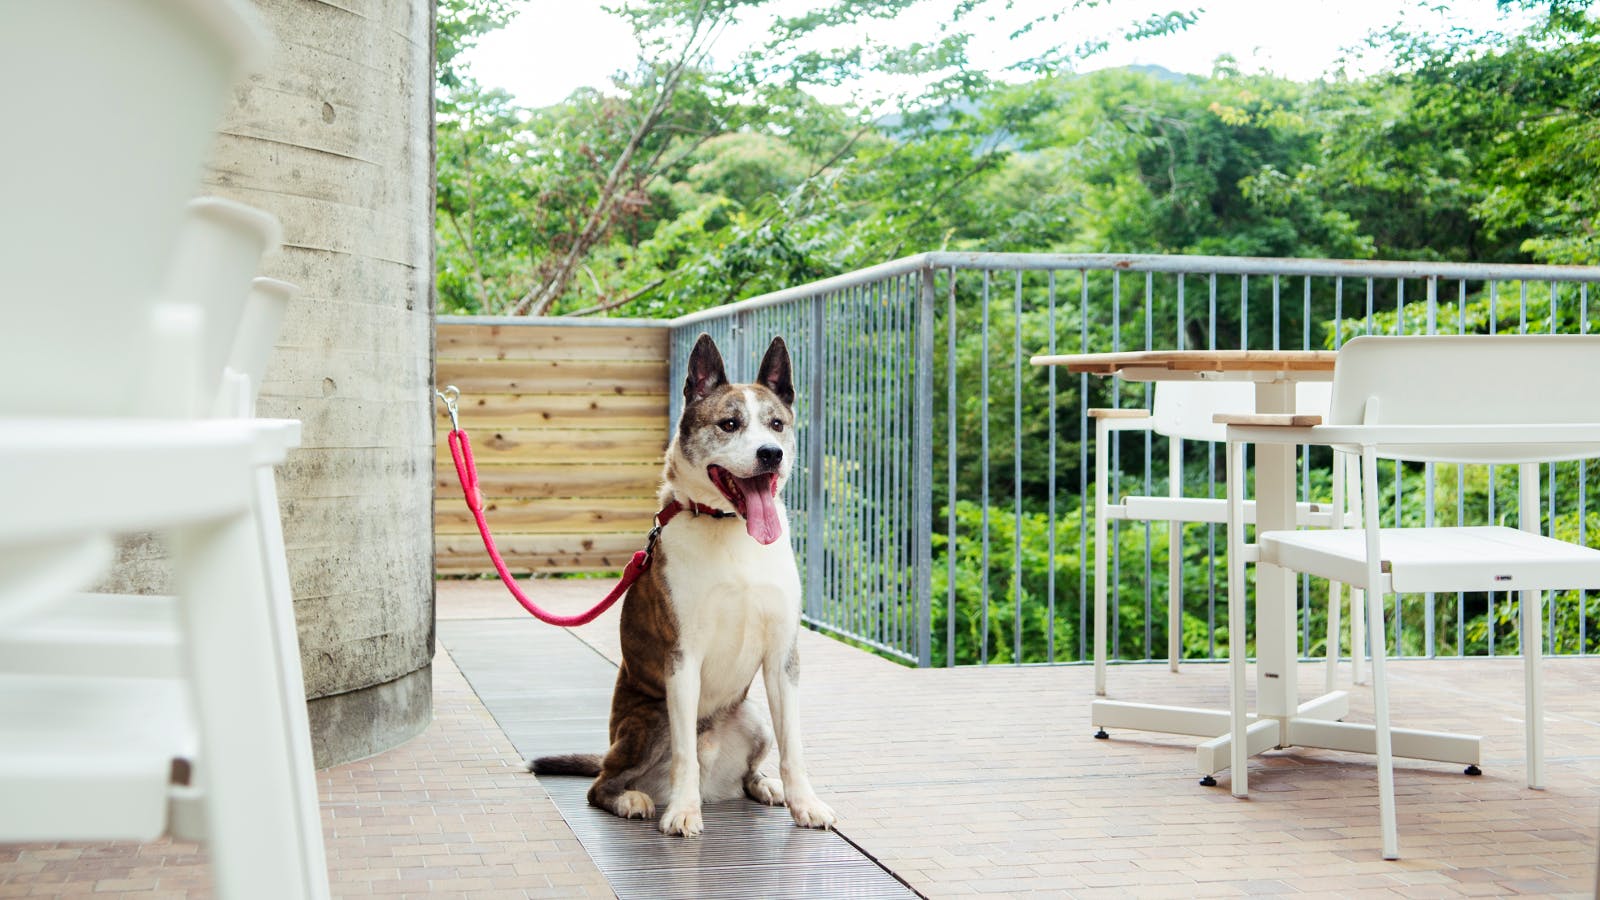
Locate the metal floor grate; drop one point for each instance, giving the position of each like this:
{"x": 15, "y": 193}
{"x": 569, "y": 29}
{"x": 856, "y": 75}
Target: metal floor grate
{"x": 551, "y": 693}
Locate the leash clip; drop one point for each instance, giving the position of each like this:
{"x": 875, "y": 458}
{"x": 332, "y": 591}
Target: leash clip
{"x": 650, "y": 543}
{"x": 450, "y": 395}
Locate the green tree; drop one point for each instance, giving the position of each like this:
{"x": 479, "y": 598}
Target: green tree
{"x": 610, "y": 167}
{"x": 1526, "y": 108}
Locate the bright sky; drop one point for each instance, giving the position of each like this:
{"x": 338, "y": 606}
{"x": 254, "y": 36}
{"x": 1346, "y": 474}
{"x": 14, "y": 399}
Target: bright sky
{"x": 555, "y": 46}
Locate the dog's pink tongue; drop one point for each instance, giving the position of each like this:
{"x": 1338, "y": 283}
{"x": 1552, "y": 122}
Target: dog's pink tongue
{"x": 760, "y": 509}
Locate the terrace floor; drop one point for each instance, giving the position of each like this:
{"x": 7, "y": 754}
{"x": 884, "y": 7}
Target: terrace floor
{"x": 970, "y": 781}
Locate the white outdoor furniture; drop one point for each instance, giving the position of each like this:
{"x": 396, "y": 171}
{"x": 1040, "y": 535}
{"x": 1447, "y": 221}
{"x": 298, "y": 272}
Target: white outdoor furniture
{"x": 1466, "y": 399}
{"x": 1274, "y": 375}
{"x": 141, "y": 634}
{"x": 1185, "y": 410}
{"x": 223, "y": 755}
{"x": 128, "y": 717}
{"x": 93, "y": 677}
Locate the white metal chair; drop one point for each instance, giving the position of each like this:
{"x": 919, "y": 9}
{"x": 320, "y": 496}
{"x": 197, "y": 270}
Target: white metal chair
{"x": 123, "y": 665}
{"x": 106, "y": 329}
{"x": 1185, "y": 411}
{"x": 91, "y": 757}
{"x": 238, "y": 713}
{"x": 1465, "y": 399}
{"x": 211, "y": 322}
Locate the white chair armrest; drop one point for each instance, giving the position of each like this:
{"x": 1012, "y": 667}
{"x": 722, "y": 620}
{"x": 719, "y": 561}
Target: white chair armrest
{"x": 274, "y": 439}
{"x": 1118, "y": 419}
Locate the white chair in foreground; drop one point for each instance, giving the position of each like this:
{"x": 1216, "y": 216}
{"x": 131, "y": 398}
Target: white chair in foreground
{"x": 209, "y": 312}
{"x": 121, "y": 664}
{"x": 90, "y": 757}
{"x": 1185, "y": 411}
{"x": 93, "y": 735}
{"x": 113, "y": 345}
{"x": 1463, "y": 399}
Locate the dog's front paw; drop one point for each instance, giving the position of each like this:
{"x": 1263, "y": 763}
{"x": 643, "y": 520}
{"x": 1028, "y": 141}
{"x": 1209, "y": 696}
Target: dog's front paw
{"x": 766, "y": 790}
{"x": 635, "y": 805}
{"x": 809, "y": 812}
{"x": 684, "y": 820}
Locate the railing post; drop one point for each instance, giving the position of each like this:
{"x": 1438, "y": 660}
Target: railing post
{"x": 922, "y": 469}
{"x": 737, "y": 353}
{"x": 676, "y": 362}
{"x": 816, "y": 539}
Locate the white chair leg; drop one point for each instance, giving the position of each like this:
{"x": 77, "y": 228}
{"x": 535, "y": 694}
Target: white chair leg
{"x": 1102, "y": 471}
{"x": 1380, "y": 706}
{"x": 1174, "y": 557}
{"x": 291, "y": 678}
{"x": 1174, "y": 594}
{"x": 1380, "y": 684}
{"x": 1335, "y": 599}
{"x": 247, "y": 776}
{"x": 1358, "y": 636}
{"x": 1239, "y": 759}
{"x": 1533, "y": 683}
{"x": 1358, "y": 619}
{"x": 1532, "y": 626}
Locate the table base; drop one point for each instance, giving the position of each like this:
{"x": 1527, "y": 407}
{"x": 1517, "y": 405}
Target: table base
{"x": 1315, "y": 724}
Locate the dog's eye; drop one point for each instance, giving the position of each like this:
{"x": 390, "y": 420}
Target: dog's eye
{"x": 777, "y": 424}
{"x": 729, "y": 425}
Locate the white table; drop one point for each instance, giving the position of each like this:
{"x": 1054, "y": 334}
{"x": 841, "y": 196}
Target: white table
{"x": 1280, "y": 719}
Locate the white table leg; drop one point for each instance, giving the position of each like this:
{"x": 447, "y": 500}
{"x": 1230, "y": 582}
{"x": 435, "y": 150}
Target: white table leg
{"x": 1277, "y": 690}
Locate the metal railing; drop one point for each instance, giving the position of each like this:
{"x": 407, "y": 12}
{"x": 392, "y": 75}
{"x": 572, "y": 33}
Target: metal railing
{"x": 859, "y": 495}
{"x": 926, "y": 437}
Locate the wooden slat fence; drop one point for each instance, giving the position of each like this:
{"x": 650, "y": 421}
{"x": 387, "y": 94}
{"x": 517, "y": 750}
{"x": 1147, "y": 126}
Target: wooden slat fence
{"x": 568, "y": 423}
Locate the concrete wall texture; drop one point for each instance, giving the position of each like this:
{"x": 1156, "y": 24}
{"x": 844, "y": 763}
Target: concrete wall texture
{"x": 334, "y": 137}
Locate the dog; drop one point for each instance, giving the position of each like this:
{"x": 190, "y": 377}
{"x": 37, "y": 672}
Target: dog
{"x": 720, "y": 600}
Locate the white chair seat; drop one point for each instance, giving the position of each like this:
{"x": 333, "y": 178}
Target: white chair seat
{"x": 78, "y": 481}
{"x": 77, "y": 747}
{"x": 1439, "y": 559}
{"x": 77, "y": 477}
{"x": 33, "y": 573}
{"x": 132, "y": 635}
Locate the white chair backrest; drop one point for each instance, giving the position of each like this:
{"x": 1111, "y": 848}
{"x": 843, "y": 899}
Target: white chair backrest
{"x": 93, "y": 199}
{"x": 218, "y": 253}
{"x": 1185, "y": 409}
{"x": 1470, "y": 380}
{"x": 252, "y": 346}
{"x": 196, "y": 321}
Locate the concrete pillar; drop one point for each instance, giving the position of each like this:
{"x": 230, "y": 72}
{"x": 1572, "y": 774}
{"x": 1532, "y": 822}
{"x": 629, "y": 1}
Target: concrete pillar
{"x": 335, "y": 138}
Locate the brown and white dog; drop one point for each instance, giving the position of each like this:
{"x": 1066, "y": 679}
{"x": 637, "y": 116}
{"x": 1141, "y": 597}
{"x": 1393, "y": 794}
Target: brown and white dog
{"x": 720, "y": 600}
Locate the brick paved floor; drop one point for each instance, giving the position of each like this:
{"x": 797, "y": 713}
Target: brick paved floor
{"x": 977, "y": 781}
{"x": 973, "y": 781}
{"x": 449, "y": 814}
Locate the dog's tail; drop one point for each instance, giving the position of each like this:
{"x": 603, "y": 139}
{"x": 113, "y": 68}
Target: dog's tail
{"x": 587, "y": 764}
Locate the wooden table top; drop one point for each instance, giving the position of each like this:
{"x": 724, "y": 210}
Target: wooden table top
{"x": 1195, "y": 361}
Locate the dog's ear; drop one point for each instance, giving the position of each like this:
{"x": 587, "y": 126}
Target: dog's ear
{"x": 776, "y": 372}
{"x": 705, "y": 370}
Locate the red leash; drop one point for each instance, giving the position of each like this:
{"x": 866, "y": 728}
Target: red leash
{"x": 467, "y": 473}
